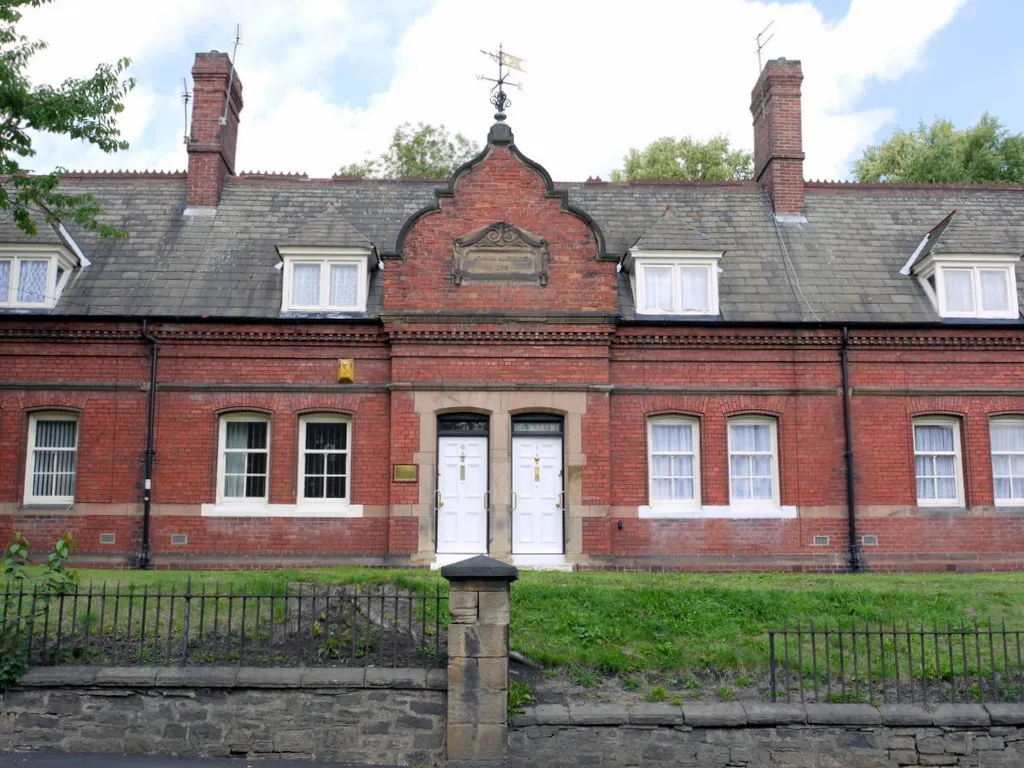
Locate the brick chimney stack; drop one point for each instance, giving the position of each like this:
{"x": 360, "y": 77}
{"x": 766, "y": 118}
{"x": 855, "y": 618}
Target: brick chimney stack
{"x": 778, "y": 143}
{"x": 211, "y": 145}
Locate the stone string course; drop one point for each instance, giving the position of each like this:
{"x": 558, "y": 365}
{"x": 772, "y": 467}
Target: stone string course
{"x": 754, "y": 735}
{"x": 375, "y": 716}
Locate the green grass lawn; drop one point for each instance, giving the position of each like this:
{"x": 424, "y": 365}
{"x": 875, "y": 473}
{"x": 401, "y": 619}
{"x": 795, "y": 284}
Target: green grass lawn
{"x": 668, "y": 624}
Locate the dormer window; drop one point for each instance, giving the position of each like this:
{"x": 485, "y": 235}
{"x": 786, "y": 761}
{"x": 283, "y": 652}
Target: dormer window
{"x": 325, "y": 279}
{"x": 672, "y": 283}
{"x": 970, "y": 286}
{"x": 33, "y": 276}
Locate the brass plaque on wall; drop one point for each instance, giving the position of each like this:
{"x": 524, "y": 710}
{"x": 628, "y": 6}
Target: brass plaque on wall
{"x": 501, "y": 252}
{"x": 405, "y": 473}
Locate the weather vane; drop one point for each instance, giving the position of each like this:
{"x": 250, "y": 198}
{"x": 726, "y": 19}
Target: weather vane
{"x": 499, "y": 98}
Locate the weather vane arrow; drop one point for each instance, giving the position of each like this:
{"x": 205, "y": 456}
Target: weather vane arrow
{"x": 505, "y": 62}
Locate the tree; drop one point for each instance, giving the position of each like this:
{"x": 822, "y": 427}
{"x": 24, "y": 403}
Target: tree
{"x": 941, "y": 153}
{"x": 685, "y": 159}
{"x": 423, "y": 151}
{"x": 80, "y": 109}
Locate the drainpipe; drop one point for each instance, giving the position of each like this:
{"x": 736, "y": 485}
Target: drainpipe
{"x": 851, "y": 500}
{"x": 150, "y": 409}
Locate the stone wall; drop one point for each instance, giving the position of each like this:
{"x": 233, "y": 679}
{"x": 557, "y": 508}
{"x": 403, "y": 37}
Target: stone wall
{"x": 769, "y": 736}
{"x": 375, "y": 716}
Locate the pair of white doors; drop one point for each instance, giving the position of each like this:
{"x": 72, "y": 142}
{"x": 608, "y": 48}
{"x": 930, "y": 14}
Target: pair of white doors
{"x": 463, "y": 501}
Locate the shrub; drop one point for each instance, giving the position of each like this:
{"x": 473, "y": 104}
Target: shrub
{"x": 45, "y": 582}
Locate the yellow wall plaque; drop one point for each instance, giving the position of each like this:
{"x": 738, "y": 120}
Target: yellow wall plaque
{"x": 405, "y": 473}
{"x": 346, "y": 371}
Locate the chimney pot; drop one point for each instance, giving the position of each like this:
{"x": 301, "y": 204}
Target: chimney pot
{"x": 778, "y": 141}
{"x": 213, "y": 135}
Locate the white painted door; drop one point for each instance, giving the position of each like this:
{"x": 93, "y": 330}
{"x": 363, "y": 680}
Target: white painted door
{"x": 537, "y": 488}
{"x": 462, "y": 495}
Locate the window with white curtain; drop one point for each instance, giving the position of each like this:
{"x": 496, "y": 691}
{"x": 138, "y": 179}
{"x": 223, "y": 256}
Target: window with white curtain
{"x": 52, "y": 458}
{"x": 970, "y": 286}
{"x": 325, "y": 279}
{"x": 937, "y": 462}
{"x": 675, "y": 284}
{"x": 243, "y": 458}
{"x": 1006, "y": 436}
{"x": 674, "y": 461}
{"x": 753, "y": 461}
{"x": 324, "y": 459}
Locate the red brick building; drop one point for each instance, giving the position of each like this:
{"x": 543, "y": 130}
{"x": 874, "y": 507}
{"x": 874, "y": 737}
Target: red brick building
{"x": 278, "y": 370}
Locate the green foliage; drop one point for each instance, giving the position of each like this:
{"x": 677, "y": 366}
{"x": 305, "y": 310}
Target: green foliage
{"x": 986, "y": 152}
{"x": 45, "y": 583}
{"x": 519, "y": 695}
{"x": 685, "y": 159}
{"x": 424, "y": 151}
{"x": 84, "y": 109}
{"x": 658, "y": 693}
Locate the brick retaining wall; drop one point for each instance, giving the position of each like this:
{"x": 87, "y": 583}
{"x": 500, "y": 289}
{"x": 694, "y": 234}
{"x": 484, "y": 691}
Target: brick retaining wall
{"x": 376, "y": 716}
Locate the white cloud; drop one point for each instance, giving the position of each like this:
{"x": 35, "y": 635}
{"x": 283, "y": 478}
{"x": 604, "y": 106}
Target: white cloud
{"x": 603, "y": 76}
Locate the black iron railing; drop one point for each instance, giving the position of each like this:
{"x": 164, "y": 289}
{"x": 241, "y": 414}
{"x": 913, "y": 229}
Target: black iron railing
{"x": 880, "y": 664}
{"x": 302, "y": 624}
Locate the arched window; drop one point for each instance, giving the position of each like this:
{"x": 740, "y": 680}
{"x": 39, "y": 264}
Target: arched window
{"x": 937, "y": 463}
{"x": 753, "y": 461}
{"x": 325, "y": 451}
{"x": 673, "y": 461}
{"x": 1006, "y": 435}
{"x": 243, "y": 462}
{"x": 52, "y": 458}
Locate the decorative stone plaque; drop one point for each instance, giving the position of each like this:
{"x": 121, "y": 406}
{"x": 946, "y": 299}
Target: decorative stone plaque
{"x": 501, "y": 252}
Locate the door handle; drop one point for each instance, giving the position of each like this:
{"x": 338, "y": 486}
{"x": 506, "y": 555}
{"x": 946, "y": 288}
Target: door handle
{"x": 560, "y": 504}
{"x": 487, "y": 501}
{"x": 515, "y": 501}
{"x": 438, "y": 501}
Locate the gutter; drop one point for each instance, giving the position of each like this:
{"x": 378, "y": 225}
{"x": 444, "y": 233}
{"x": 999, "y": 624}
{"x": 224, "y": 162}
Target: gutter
{"x": 856, "y": 566}
{"x": 144, "y": 563}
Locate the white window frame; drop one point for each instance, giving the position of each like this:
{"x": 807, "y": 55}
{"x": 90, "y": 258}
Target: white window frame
{"x": 56, "y": 257}
{"x": 773, "y": 425}
{"x": 996, "y": 421}
{"x": 222, "y": 433}
{"x": 958, "y": 460}
{"x": 324, "y": 418}
{"x": 30, "y": 452}
{"x": 325, "y": 258}
{"x": 934, "y": 266}
{"x": 639, "y": 260}
{"x": 674, "y": 504}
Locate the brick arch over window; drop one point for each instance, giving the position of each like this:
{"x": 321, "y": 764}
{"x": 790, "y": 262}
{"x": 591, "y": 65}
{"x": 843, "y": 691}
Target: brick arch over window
{"x": 501, "y": 188}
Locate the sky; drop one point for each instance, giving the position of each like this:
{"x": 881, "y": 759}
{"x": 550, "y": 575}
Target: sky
{"x": 325, "y": 82}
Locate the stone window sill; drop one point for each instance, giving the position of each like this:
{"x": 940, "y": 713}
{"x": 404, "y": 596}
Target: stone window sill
{"x": 258, "y": 509}
{"x": 733, "y": 512}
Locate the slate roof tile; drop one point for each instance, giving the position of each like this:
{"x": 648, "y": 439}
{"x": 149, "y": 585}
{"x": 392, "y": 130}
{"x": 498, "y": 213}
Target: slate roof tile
{"x": 841, "y": 265}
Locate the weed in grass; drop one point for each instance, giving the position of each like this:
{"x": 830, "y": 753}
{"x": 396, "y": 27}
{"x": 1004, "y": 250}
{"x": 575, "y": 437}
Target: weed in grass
{"x": 726, "y": 693}
{"x": 632, "y": 683}
{"x": 519, "y": 695}
{"x": 551, "y": 674}
{"x": 658, "y": 693}
{"x": 585, "y": 676}
{"x": 677, "y": 700}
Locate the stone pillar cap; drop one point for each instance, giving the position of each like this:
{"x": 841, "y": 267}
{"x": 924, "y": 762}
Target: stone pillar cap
{"x": 480, "y": 567}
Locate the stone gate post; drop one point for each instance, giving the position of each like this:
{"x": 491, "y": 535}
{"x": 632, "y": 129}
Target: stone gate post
{"x": 478, "y": 661}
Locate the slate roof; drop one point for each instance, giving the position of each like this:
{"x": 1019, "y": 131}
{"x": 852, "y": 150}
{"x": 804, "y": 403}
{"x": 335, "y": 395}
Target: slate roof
{"x": 842, "y": 265}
